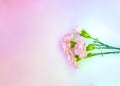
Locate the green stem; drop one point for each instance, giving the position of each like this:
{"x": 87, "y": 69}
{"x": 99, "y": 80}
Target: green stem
{"x": 104, "y": 53}
{"x": 102, "y": 44}
{"x": 106, "y": 48}
{"x": 97, "y": 44}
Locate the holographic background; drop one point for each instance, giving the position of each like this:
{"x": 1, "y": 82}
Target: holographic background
{"x": 30, "y": 34}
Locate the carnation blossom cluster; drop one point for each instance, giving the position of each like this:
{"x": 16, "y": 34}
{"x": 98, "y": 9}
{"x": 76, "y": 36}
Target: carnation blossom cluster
{"x": 76, "y": 49}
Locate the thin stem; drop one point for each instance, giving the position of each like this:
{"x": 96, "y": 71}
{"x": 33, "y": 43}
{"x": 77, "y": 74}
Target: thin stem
{"x": 104, "y": 53}
{"x": 102, "y": 44}
{"x": 98, "y": 45}
{"x": 106, "y": 48}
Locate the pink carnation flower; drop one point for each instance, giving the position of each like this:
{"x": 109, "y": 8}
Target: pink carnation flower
{"x": 66, "y": 48}
{"x": 71, "y": 59}
{"x": 77, "y": 29}
{"x": 80, "y": 48}
{"x": 66, "y": 42}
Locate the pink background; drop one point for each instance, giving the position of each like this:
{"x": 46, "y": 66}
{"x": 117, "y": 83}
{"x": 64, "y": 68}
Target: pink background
{"x": 30, "y": 33}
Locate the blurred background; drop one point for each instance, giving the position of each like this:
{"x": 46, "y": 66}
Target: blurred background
{"x": 30, "y": 34}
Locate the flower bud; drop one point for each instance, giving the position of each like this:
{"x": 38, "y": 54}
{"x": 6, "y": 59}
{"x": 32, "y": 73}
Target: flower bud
{"x": 90, "y": 55}
{"x": 85, "y": 34}
{"x": 90, "y": 47}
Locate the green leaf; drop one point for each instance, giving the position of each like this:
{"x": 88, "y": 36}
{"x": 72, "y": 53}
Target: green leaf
{"x": 72, "y": 44}
{"x": 90, "y": 47}
{"x": 77, "y": 58}
{"x": 85, "y": 34}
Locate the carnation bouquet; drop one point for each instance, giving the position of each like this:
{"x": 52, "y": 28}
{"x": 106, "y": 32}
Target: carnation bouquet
{"x": 79, "y": 44}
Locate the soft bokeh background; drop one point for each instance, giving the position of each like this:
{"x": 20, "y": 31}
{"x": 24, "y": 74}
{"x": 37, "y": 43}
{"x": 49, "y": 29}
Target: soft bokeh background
{"x": 30, "y": 33}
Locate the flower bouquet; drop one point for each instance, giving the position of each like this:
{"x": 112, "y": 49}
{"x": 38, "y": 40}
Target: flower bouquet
{"x": 76, "y": 47}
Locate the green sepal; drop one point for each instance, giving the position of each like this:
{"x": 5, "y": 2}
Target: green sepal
{"x": 72, "y": 44}
{"x": 90, "y": 47}
{"x": 77, "y": 58}
{"x": 85, "y": 34}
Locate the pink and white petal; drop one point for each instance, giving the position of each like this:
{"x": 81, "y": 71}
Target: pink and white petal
{"x": 77, "y": 29}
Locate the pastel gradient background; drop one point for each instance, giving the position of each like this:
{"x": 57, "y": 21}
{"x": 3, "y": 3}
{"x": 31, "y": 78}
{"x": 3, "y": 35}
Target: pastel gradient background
{"x": 30, "y": 33}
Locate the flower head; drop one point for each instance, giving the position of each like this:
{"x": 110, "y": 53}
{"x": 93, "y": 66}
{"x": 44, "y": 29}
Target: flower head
{"x": 66, "y": 45}
{"x": 71, "y": 59}
{"x": 77, "y": 29}
{"x": 74, "y": 49}
{"x": 66, "y": 42}
{"x": 81, "y": 32}
{"x": 80, "y": 48}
